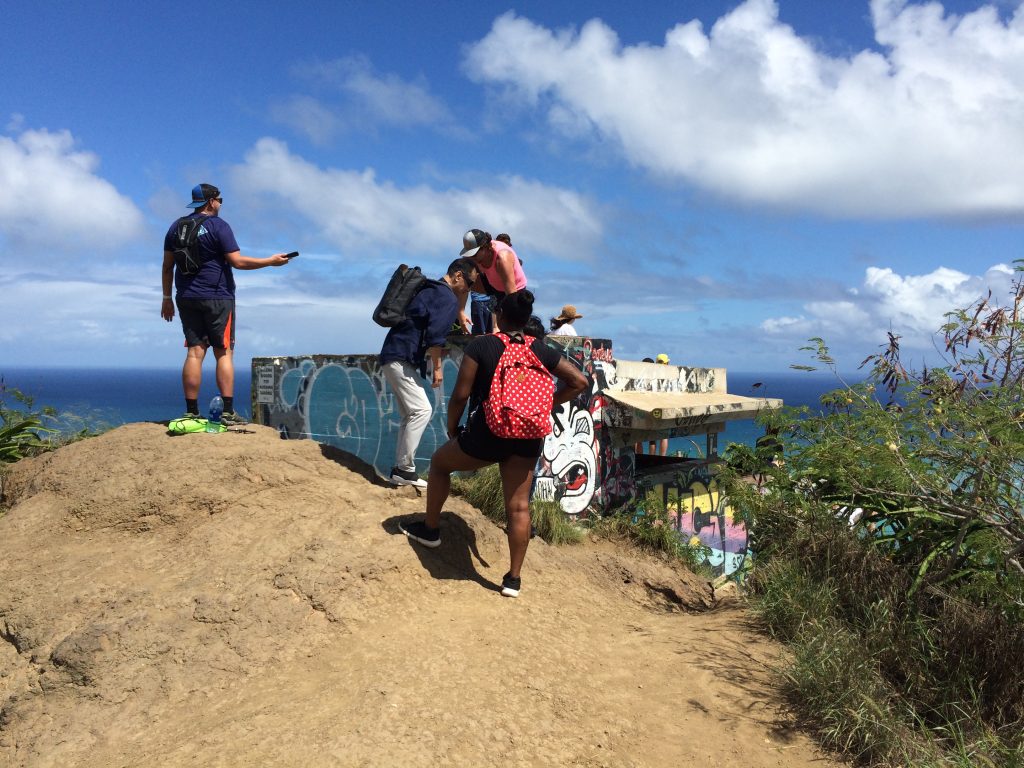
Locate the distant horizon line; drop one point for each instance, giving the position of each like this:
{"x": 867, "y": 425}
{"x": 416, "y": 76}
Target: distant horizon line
{"x": 177, "y": 368}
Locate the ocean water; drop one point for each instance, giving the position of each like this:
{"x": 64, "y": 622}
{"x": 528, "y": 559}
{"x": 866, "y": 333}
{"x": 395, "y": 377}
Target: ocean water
{"x": 107, "y": 397}
{"x": 794, "y": 388}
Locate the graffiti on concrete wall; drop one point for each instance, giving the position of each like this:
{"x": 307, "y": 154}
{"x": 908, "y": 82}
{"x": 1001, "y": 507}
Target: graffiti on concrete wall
{"x": 344, "y": 401}
{"x": 579, "y": 468}
{"x": 689, "y": 380}
{"x": 701, "y": 514}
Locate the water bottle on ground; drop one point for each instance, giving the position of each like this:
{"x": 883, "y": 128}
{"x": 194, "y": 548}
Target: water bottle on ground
{"x": 216, "y": 411}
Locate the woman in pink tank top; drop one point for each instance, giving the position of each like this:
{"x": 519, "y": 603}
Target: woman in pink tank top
{"x": 497, "y": 262}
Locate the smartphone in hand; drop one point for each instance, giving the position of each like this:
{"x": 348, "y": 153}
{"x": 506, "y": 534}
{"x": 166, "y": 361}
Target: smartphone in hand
{"x": 291, "y": 255}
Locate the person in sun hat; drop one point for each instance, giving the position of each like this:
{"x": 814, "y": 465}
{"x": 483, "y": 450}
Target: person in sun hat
{"x": 661, "y": 359}
{"x": 562, "y": 324}
{"x": 206, "y": 299}
{"x": 501, "y": 271}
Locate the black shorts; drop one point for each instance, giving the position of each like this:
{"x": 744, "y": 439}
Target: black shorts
{"x": 208, "y": 322}
{"x": 479, "y": 442}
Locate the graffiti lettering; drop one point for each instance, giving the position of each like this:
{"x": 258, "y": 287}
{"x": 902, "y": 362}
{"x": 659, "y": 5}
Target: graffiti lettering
{"x": 702, "y": 515}
{"x": 691, "y": 421}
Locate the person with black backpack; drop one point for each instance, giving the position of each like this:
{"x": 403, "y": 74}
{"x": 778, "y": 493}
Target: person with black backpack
{"x": 506, "y": 379}
{"x": 199, "y": 252}
{"x": 422, "y": 330}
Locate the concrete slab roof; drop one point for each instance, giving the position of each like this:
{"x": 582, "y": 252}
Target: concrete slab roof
{"x": 661, "y": 410}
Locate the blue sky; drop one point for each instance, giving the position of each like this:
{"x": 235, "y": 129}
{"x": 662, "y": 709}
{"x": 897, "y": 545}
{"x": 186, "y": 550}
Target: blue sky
{"x": 719, "y": 181}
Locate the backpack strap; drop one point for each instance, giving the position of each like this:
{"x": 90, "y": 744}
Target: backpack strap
{"x": 199, "y": 220}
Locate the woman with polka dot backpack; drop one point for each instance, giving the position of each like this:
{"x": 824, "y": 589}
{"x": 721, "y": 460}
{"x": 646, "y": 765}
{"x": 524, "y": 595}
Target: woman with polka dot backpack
{"x": 510, "y": 413}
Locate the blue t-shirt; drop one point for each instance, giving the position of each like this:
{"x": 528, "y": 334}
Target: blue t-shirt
{"x": 214, "y": 279}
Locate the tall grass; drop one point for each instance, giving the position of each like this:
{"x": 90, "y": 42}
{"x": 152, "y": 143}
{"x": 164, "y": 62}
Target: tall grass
{"x": 483, "y": 490}
{"x": 647, "y": 527}
{"x": 890, "y": 676}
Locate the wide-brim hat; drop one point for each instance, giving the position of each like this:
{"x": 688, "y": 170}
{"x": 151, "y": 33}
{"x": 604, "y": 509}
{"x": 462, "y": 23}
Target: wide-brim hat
{"x": 569, "y": 313}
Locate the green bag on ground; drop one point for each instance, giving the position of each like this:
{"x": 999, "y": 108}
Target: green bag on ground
{"x": 188, "y": 424}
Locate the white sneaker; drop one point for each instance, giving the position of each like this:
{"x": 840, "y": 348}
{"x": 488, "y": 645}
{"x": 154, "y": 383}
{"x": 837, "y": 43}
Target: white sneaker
{"x": 407, "y": 477}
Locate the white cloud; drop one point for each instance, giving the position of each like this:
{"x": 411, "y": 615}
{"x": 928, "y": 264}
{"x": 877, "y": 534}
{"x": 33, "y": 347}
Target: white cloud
{"x": 307, "y": 116}
{"x": 798, "y": 326}
{"x": 91, "y": 311}
{"x": 912, "y": 306}
{"x": 354, "y": 209}
{"x": 50, "y": 194}
{"x": 932, "y": 123}
{"x": 368, "y": 98}
{"x": 387, "y": 96}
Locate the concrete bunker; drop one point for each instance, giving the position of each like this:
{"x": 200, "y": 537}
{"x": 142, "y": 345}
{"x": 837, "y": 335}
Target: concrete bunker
{"x": 588, "y": 465}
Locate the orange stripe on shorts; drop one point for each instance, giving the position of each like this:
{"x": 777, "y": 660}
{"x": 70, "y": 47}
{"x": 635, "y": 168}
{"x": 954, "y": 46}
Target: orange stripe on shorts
{"x": 227, "y": 331}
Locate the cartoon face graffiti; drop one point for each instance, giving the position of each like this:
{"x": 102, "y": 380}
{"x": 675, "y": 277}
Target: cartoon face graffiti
{"x": 569, "y": 452}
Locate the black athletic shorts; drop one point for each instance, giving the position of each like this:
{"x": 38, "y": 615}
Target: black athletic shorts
{"x": 208, "y": 322}
{"x": 479, "y": 442}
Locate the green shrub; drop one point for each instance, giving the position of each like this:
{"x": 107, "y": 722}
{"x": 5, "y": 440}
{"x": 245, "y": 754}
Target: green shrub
{"x": 890, "y": 680}
{"x": 907, "y": 624}
{"x": 22, "y": 431}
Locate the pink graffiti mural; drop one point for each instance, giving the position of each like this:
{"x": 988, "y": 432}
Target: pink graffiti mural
{"x": 702, "y": 515}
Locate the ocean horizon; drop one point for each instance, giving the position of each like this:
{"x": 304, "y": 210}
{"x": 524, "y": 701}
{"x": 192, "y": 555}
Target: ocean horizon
{"x": 109, "y": 397}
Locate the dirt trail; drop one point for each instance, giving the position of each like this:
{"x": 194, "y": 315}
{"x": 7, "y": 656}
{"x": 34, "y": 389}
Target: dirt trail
{"x": 236, "y": 599}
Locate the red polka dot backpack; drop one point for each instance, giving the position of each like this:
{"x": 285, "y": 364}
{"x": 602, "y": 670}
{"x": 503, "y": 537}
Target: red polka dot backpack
{"x": 522, "y": 392}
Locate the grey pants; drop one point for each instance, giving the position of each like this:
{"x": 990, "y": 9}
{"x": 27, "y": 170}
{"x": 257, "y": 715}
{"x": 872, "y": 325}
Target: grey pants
{"x": 414, "y": 408}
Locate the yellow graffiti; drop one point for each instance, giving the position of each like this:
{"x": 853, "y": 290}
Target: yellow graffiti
{"x": 698, "y": 497}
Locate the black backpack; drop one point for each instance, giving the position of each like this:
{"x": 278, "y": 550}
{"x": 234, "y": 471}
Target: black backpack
{"x": 404, "y": 285}
{"x": 186, "y": 231}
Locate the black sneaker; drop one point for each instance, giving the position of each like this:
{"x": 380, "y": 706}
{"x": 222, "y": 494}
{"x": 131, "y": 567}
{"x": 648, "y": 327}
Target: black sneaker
{"x": 418, "y": 531}
{"x": 510, "y": 587}
{"x": 407, "y": 477}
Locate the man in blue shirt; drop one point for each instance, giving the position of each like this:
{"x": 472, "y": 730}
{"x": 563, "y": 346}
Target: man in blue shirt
{"x": 206, "y": 299}
{"x": 428, "y": 320}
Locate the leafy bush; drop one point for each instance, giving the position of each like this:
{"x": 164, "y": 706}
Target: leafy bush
{"x": 22, "y": 432}
{"x": 889, "y": 548}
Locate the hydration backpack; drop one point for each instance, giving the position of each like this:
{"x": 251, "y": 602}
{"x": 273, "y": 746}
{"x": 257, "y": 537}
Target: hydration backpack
{"x": 186, "y": 231}
{"x": 522, "y": 393}
{"x": 404, "y": 285}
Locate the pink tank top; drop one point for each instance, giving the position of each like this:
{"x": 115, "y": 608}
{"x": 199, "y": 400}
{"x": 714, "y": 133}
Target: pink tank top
{"x": 491, "y": 272}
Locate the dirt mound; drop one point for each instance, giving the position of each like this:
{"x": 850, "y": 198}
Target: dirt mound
{"x": 237, "y": 599}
